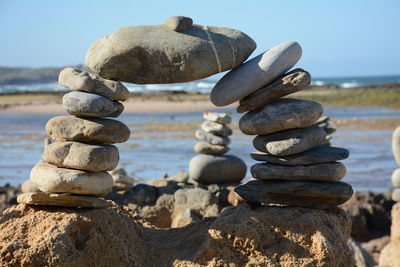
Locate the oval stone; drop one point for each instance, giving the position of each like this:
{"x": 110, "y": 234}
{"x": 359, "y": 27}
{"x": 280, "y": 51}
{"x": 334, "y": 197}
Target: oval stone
{"x": 95, "y": 130}
{"x": 216, "y": 128}
{"x": 212, "y": 138}
{"x": 154, "y": 54}
{"x": 396, "y": 177}
{"x": 51, "y": 179}
{"x": 91, "y": 105}
{"x": 284, "y": 114}
{"x": 82, "y": 156}
{"x": 179, "y": 23}
{"x": 206, "y": 148}
{"x": 79, "y": 80}
{"x": 209, "y": 169}
{"x": 255, "y": 73}
{"x": 333, "y": 171}
{"x": 320, "y": 195}
{"x": 396, "y": 144}
{"x": 396, "y": 195}
{"x": 291, "y": 141}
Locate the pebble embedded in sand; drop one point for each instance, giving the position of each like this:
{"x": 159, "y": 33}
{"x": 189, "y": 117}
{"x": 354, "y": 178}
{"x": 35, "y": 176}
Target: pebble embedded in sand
{"x": 91, "y": 105}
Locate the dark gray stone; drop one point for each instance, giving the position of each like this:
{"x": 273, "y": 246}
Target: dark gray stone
{"x": 212, "y": 138}
{"x": 319, "y": 154}
{"x": 143, "y": 194}
{"x": 333, "y": 171}
{"x": 291, "y": 141}
{"x": 284, "y": 114}
{"x": 322, "y": 195}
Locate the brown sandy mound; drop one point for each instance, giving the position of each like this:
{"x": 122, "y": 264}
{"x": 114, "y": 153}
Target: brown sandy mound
{"x": 267, "y": 236}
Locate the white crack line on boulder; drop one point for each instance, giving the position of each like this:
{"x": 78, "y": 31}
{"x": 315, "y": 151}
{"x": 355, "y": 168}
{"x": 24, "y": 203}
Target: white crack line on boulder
{"x": 205, "y": 28}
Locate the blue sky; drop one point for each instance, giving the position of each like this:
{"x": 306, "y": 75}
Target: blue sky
{"x": 339, "y": 38}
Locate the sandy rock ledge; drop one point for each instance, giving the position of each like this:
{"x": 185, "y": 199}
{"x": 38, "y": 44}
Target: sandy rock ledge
{"x": 264, "y": 236}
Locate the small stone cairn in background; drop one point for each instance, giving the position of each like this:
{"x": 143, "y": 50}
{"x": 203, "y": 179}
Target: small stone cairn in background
{"x": 74, "y": 170}
{"x": 212, "y": 166}
{"x": 298, "y": 168}
{"x": 396, "y": 172}
{"x": 122, "y": 181}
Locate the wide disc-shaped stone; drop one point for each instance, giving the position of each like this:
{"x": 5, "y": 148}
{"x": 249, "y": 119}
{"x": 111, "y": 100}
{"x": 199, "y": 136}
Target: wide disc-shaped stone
{"x": 223, "y": 118}
{"x": 91, "y": 105}
{"x": 79, "y": 80}
{"x": 63, "y": 200}
{"x": 82, "y": 156}
{"x": 94, "y": 130}
{"x": 216, "y": 128}
{"x": 51, "y": 179}
{"x": 396, "y": 145}
{"x": 319, "y": 154}
{"x": 291, "y": 82}
{"x": 212, "y": 138}
{"x": 255, "y": 73}
{"x": 209, "y": 169}
{"x": 158, "y": 54}
{"x": 322, "y": 195}
{"x": 207, "y": 148}
{"x": 333, "y": 171}
{"x": 284, "y": 114}
{"x": 291, "y": 141}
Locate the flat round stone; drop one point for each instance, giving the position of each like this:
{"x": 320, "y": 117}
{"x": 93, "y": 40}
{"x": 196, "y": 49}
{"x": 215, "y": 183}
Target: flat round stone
{"x": 79, "y": 80}
{"x": 255, "y": 73}
{"x": 91, "y": 105}
{"x": 333, "y": 171}
{"x": 51, "y": 179}
{"x": 396, "y": 144}
{"x": 81, "y": 156}
{"x": 223, "y": 118}
{"x": 216, "y": 128}
{"x": 321, "y": 195}
{"x": 212, "y": 138}
{"x": 319, "y": 154}
{"x": 290, "y": 141}
{"x": 209, "y": 169}
{"x": 95, "y": 130}
{"x": 396, "y": 177}
{"x": 284, "y": 114}
{"x": 206, "y": 148}
{"x": 63, "y": 200}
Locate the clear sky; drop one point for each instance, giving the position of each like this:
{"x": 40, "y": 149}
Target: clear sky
{"x": 339, "y": 38}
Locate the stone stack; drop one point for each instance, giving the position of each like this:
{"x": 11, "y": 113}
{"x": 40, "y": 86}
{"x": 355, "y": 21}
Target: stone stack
{"x": 121, "y": 179}
{"x": 74, "y": 171}
{"x": 213, "y": 166}
{"x": 298, "y": 169}
{"x": 396, "y": 172}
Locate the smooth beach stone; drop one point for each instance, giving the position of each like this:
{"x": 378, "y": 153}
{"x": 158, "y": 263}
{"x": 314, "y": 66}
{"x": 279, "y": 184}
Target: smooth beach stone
{"x": 319, "y": 154}
{"x": 82, "y": 156}
{"x": 321, "y": 195}
{"x": 96, "y": 130}
{"x": 51, "y": 179}
{"x": 396, "y": 144}
{"x": 396, "y": 177}
{"x": 79, "y": 80}
{"x": 91, "y": 105}
{"x": 396, "y": 195}
{"x": 155, "y": 54}
{"x": 284, "y": 114}
{"x": 255, "y": 73}
{"x": 210, "y": 169}
{"x": 291, "y": 141}
{"x": 63, "y": 200}
{"x": 289, "y": 83}
{"x": 212, "y": 138}
{"x": 223, "y": 118}
{"x": 206, "y": 148}
{"x": 179, "y": 23}
{"x": 333, "y": 171}
{"x": 216, "y": 128}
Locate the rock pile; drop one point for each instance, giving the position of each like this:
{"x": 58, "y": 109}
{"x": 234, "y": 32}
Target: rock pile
{"x": 212, "y": 166}
{"x": 298, "y": 169}
{"x": 396, "y": 173}
{"x": 74, "y": 170}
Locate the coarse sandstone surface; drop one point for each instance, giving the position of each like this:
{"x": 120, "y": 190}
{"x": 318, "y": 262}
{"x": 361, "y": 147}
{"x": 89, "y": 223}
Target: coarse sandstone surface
{"x": 95, "y": 130}
{"x": 265, "y": 236}
{"x": 154, "y": 54}
{"x": 390, "y": 255}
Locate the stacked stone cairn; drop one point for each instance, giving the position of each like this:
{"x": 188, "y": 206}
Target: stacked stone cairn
{"x": 74, "y": 170}
{"x": 121, "y": 179}
{"x": 396, "y": 172}
{"x": 212, "y": 166}
{"x": 297, "y": 168}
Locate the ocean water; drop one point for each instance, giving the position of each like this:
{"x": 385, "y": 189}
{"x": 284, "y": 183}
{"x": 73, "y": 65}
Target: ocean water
{"x": 167, "y": 148}
{"x": 205, "y": 85}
